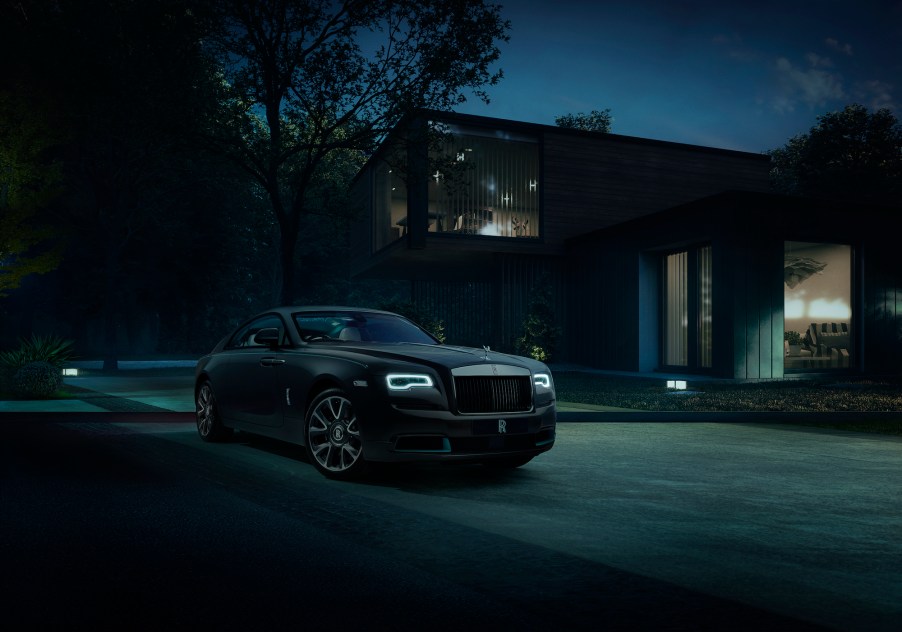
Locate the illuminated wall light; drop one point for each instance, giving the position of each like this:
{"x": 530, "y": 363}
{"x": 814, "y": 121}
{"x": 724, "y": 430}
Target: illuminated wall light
{"x": 70, "y": 372}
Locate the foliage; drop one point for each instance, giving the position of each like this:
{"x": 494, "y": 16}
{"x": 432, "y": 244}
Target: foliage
{"x": 849, "y": 154}
{"x": 50, "y": 349}
{"x": 37, "y": 380}
{"x": 594, "y": 121}
{"x": 421, "y": 317}
{"x": 540, "y": 334}
{"x": 792, "y": 337}
{"x": 302, "y": 81}
{"x": 29, "y": 181}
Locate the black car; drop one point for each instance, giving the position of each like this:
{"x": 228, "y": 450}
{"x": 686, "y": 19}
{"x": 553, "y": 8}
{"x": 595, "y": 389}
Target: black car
{"x": 358, "y": 386}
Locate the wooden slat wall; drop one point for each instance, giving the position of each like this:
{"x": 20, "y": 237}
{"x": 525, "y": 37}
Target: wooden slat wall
{"x": 491, "y": 312}
{"x": 594, "y": 182}
{"x": 467, "y": 308}
{"x": 881, "y": 330}
{"x": 757, "y": 290}
{"x": 518, "y": 276}
{"x": 603, "y": 324}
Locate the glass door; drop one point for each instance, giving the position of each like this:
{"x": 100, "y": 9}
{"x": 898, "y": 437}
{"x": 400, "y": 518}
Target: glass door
{"x": 687, "y": 321}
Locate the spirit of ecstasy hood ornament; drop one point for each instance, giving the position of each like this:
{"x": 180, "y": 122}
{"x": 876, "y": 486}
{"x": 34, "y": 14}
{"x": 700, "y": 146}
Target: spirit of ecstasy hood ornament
{"x": 487, "y": 349}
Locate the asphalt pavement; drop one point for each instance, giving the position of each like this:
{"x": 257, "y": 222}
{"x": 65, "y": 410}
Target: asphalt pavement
{"x": 733, "y": 520}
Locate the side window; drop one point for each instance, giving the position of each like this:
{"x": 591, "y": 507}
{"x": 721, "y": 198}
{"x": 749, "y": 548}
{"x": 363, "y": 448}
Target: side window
{"x": 245, "y": 337}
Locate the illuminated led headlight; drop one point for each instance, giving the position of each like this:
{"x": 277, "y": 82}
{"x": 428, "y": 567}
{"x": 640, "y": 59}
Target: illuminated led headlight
{"x": 407, "y": 381}
{"x": 543, "y": 382}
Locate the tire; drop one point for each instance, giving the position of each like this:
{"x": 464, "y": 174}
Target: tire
{"x": 508, "y": 463}
{"x": 332, "y": 436}
{"x": 209, "y": 423}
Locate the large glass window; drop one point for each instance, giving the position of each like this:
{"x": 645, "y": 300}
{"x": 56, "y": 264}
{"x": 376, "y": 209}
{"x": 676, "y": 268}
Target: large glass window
{"x": 688, "y": 318}
{"x": 484, "y": 182}
{"x": 389, "y": 199}
{"x": 817, "y": 305}
{"x": 676, "y": 309}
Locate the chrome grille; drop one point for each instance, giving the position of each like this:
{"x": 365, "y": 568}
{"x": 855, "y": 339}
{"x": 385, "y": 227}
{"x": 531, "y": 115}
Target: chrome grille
{"x": 490, "y": 394}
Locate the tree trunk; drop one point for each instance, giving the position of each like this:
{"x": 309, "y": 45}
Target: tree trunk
{"x": 110, "y": 337}
{"x": 288, "y": 228}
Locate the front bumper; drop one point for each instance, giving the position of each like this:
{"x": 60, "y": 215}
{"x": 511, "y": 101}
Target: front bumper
{"x": 400, "y": 435}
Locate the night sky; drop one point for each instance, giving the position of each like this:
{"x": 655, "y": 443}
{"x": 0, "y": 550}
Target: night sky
{"x": 738, "y": 75}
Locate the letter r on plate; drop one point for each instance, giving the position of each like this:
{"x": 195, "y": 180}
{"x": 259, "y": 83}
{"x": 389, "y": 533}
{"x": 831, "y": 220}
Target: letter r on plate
{"x": 502, "y": 426}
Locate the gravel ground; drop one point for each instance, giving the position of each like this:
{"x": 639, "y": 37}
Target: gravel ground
{"x": 802, "y": 395}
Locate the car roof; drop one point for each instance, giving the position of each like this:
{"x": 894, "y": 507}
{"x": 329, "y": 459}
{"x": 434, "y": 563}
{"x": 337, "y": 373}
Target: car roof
{"x": 287, "y": 310}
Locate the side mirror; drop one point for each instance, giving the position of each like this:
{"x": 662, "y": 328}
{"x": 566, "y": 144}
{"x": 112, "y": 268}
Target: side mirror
{"x": 268, "y": 337}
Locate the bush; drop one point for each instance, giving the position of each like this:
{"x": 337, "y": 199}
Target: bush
{"x": 540, "y": 334}
{"x": 51, "y": 349}
{"x": 37, "y": 380}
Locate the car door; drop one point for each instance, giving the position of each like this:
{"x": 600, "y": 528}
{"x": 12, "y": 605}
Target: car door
{"x": 248, "y": 385}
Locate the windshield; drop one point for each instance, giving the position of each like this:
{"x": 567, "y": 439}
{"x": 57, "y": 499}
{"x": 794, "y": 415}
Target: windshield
{"x": 359, "y": 326}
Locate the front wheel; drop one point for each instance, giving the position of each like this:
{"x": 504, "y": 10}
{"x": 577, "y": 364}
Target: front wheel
{"x": 332, "y": 433}
{"x": 209, "y": 423}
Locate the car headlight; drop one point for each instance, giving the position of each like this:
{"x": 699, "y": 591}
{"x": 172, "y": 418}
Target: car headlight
{"x": 543, "y": 383}
{"x": 407, "y": 381}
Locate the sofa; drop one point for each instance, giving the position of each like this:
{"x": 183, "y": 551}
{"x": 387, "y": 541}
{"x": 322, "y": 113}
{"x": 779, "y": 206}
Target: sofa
{"x": 830, "y": 341}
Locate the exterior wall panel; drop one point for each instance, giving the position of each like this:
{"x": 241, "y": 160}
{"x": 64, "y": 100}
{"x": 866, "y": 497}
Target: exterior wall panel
{"x": 603, "y": 328}
{"x": 593, "y": 181}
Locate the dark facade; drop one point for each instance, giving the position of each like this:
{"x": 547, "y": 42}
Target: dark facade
{"x": 751, "y": 237}
{"x": 661, "y": 256}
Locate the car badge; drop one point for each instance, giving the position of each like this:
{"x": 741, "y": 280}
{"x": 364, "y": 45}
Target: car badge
{"x": 487, "y": 349}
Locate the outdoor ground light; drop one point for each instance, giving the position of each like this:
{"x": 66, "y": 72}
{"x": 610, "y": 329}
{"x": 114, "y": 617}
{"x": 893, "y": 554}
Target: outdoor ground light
{"x": 70, "y": 372}
{"x": 678, "y": 385}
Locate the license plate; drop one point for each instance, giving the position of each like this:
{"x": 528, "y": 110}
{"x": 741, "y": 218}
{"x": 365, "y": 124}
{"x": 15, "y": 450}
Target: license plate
{"x": 500, "y": 426}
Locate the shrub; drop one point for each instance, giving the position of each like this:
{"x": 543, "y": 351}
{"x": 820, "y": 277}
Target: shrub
{"x": 540, "y": 334}
{"x": 51, "y": 349}
{"x": 37, "y": 380}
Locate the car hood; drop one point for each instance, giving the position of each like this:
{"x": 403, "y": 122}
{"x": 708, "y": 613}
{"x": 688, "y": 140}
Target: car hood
{"x": 446, "y": 356}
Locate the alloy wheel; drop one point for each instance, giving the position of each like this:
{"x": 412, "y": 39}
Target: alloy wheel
{"x": 333, "y": 434}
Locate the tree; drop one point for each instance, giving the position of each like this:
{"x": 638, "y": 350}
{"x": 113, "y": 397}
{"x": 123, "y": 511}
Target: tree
{"x": 849, "y": 154}
{"x": 29, "y": 181}
{"x": 307, "y": 79}
{"x": 126, "y": 82}
{"x": 594, "y": 121}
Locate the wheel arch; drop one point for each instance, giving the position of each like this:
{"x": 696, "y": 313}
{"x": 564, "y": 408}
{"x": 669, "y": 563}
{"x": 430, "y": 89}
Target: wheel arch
{"x": 321, "y": 384}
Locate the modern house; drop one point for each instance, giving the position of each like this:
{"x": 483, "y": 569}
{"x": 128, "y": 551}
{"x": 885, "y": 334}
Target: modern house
{"x": 659, "y": 255}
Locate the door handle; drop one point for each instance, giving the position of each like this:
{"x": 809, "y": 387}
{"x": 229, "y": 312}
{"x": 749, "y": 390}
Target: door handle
{"x": 271, "y": 362}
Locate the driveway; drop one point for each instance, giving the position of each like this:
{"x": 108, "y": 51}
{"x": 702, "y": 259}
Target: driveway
{"x": 803, "y": 522}
{"x": 698, "y": 525}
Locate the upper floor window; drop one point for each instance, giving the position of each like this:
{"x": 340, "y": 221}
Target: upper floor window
{"x": 484, "y": 182}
